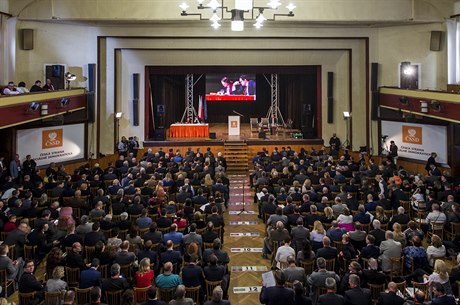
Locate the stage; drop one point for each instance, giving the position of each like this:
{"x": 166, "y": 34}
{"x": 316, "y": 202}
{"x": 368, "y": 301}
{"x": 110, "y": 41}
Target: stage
{"x": 281, "y": 136}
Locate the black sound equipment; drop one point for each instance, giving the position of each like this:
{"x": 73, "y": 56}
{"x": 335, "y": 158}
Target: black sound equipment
{"x": 212, "y": 135}
{"x": 262, "y": 135}
{"x": 160, "y": 134}
{"x": 435, "y": 40}
{"x": 330, "y": 97}
{"x": 27, "y": 39}
{"x": 374, "y": 76}
{"x": 91, "y": 95}
{"x": 135, "y": 99}
{"x": 374, "y": 105}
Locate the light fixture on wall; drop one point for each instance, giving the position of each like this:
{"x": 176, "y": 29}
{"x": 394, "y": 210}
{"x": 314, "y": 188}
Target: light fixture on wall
{"x": 347, "y": 117}
{"x": 118, "y": 115}
{"x": 68, "y": 78}
{"x": 44, "y": 110}
{"x": 63, "y": 102}
{"x": 407, "y": 68}
{"x": 423, "y": 107}
{"x": 435, "y": 105}
{"x": 236, "y": 15}
{"x": 32, "y": 107}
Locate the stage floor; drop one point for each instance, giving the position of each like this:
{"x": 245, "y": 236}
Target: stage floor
{"x": 221, "y": 131}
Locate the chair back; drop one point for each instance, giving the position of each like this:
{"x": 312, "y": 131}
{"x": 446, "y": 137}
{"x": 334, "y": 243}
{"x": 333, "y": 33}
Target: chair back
{"x": 140, "y": 294}
{"x": 104, "y": 269}
{"x": 210, "y": 285}
{"x": 53, "y": 298}
{"x": 72, "y": 276}
{"x": 166, "y": 294}
{"x": 330, "y": 264}
{"x": 12, "y": 252}
{"x": 402, "y": 287}
{"x": 82, "y": 296}
{"x": 126, "y": 270}
{"x": 307, "y": 265}
{"x": 338, "y": 245}
{"x": 29, "y": 252}
{"x": 207, "y": 246}
{"x": 5, "y": 283}
{"x": 88, "y": 252}
{"x": 423, "y": 287}
{"x": 113, "y": 297}
{"x": 26, "y": 298}
{"x": 193, "y": 293}
{"x": 375, "y": 291}
{"x": 396, "y": 266}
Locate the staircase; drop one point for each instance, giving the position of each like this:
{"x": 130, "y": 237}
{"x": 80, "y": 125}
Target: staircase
{"x": 236, "y": 154}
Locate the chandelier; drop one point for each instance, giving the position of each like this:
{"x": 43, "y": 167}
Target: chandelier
{"x": 243, "y": 10}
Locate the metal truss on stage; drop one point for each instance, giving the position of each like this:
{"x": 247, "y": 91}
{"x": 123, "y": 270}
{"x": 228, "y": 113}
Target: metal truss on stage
{"x": 274, "y": 115}
{"x": 190, "y": 111}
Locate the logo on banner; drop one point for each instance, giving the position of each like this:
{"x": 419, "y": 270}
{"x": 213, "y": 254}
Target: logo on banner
{"x": 412, "y": 134}
{"x": 234, "y": 124}
{"x": 52, "y": 138}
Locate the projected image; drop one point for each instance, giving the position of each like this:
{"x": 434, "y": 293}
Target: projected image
{"x": 230, "y": 87}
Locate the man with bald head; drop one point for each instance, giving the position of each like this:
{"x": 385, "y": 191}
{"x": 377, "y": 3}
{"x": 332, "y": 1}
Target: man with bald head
{"x": 168, "y": 279}
{"x": 279, "y": 234}
{"x": 390, "y": 297}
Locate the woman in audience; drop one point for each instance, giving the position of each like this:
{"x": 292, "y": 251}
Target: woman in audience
{"x": 113, "y": 241}
{"x": 399, "y": 235}
{"x": 189, "y": 210}
{"x": 435, "y": 250}
{"x": 317, "y": 234}
{"x": 133, "y": 238}
{"x": 55, "y": 283}
{"x": 192, "y": 249}
{"x": 328, "y": 215}
{"x": 345, "y": 220}
{"x": 168, "y": 180}
{"x": 55, "y": 258}
{"x": 208, "y": 182}
{"x": 306, "y": 253}
{"x": 380, "y": 215}
{"x": 181, "y": 221}
{"x": 145, "y": 276}
{"x": 415, "y": 255}
{"x": 413, "y": 230}
{"x": 198, "y": 220}
{"x": 161, "y": 193}
{"x": 439, "y": 275}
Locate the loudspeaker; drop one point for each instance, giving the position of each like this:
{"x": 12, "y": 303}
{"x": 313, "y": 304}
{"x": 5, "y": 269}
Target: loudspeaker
{"x": 435, "y": 40}
{"x": 374, "y": 105}
{"x": 159, "y": 134}
{"x": 91, "y": 77}
{"x": 262, "y": 135}
{"x": 160, "y": 108}
{"x": 330, "y": 97}
{"x": 212, "y": 135}
{"x": 27, "y": 39}
{"x": 135, "y": 99}
{"x": 374, "y": 76}
{"x": 91, "y": 96}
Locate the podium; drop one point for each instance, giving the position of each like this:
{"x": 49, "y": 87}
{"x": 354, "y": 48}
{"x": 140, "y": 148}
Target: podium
{"x": 233, "y": 125}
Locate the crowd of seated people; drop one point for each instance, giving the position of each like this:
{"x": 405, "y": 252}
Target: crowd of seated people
{"x": 345, "y": 231}
{"x": 12, "y": 89}
{"x": 156, "y": 222}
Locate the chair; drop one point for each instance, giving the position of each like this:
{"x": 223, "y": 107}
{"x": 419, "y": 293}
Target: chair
{"x": 275, "y": 246}
{"x": 72, "y": 276}
{"x": 193, "y": 293}
{"x": 207, "y": 246}
{"x": 82, "y": 296}
{"x": 5, "y": 283}
{"x": 12, "y": 252}
{"x": 104, "y": 269}
{"x": 122, "y": 234}
{"x": 140, "y": 294}
{"x": 210, "y": 285}
{"x": 402, "y": 287}
{"x": 133, "y": 218}
{"x": 396, "y": 267}
{"x": 3, "y": 235}
{"x": 338, "y": 245}
{"x": 454, "y": 230}
{"x": 307, "y": 265}
{"x": 26, "y": 298}
{"x": 264, "y": 124}
{"x": 437, "y": 228}
{"x": 330, "y": 264}
{"x": 126, "y": 270}
{"x": 53, "y": 298}
{"x": 375, "y": 291}
{"x": 30, "y": 252}
{"x": 113, "y": 297}
{"x": 425, "y": 287}
{"x": 89, "y": 251}
{"x": 254, "y": 123}
{"x": 166, "y": 294}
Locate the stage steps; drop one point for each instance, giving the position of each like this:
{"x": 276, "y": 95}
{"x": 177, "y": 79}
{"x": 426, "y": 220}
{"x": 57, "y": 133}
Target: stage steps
{"x": 236, "y": 154}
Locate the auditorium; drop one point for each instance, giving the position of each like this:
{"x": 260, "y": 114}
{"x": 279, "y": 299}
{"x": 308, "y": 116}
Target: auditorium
{"x": 229, "y": 152}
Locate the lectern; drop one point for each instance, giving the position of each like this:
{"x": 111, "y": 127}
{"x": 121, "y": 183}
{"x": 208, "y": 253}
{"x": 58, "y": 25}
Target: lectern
{"x": 233, "y": 125}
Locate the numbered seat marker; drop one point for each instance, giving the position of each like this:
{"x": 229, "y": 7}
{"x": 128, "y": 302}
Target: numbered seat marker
{"x": 246, "y": 234}
{"x": 249, "y": 268}
{"x": 238, "y": 250}
{"x": 238, "y": 212}
{"x": 243, "y": 223}
{"x": 250, "y": 289}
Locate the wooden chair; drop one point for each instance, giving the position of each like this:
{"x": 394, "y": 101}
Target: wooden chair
{"x": 193, "y": 293}
{"x": 53, "y": 298}
{"x": 307, "y": 265}
{"x": 330, "y": 264}
{"x": 166, "y": 294}
{"x": 72, "y": 276}
{"x": 3, "y": 235}
{"x": 207, "y": 246}
{"x": 113, "y": 297}
{"x": 76, "y": 212}
{"x": 140, "y": 294}
{"x": 375, "y": 291}
{"x": 254, "y": 123}
{"x": 437, "y": 228}
{"x": 210, "y": 285}
{"x": 82, "y": 296}
{"x": 12, "y": 252}
{"x": 402, "y": 287}
{"x": 338, "y": 245}
{"x": 6, "y": 284}
{"x": 126, "y": 270}
{"x": 30, "y": 252}
{"x": 396, "y": 267}
{"x": 26, "y": 298}
{"x": 454, "y": 230}
{"x": 164, "y": 230}
{"x": 88, "y": 252}
{"x": 104, "y": 269}
{"x": 122, "y": 234}
{"x": 275, "y": 246}
{"x": 133, "y": 218}
{"x": 425, "y": 287}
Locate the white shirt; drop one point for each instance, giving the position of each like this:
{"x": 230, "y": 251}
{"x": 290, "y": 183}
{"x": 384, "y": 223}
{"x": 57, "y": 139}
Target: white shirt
{"x": 8, "y": 91}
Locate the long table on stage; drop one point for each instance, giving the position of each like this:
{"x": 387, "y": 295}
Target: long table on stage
{"x": 188, "y": 130}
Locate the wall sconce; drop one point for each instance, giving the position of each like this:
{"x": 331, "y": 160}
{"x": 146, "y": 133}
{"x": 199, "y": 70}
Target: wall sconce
{"x": 32, "y": 107}
{"x": 423, "y": 107}
{"x": 64, "y": 102}
{"x": 118, "y": 115}
{"x": 404, "y": 100}
{"x": 435, "y": 105}
{"x": 346, "y": 114}
{"x": 44, "y": 110}
{"x": 68, "y": 78}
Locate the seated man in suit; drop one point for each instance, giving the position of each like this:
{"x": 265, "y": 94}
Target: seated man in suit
{"x": 90, "y": 277}
{"x": 357, "y": 295}
{"x": 124, "y": 257}
{"x": 318, "y": 278}
{"x": 440, "y": 297}
{"x": 372, "y": 275}
{"x": 170, "y": 255}
{"x": 116, "y": 281}
{"x": 390, "y": 297}
{"x": 277, "y": 294}
{"x": 152, "y": 297}
{"x": 327, "y": 252}
{"x": 331, "y": 297}
{"x": 13, "y": 268}
{"x": 168, "y": 279}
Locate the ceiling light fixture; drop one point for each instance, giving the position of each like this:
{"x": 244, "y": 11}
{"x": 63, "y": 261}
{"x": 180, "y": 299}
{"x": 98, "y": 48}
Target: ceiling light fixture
{"x": 243, "y": 10}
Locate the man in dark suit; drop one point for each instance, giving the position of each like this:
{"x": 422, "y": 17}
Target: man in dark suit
{"x": 357, "y": 295}
{"x": 440, "y": 297}
{"x": 124, "y": 257}
{"x": 313, "y": 216}
{"x": 327, "y": 252}
{"x": 390, "y": 297}
{"x": 29, "y": 283}
{"x": 277, "y": 294}
{"x": 192, "y": 274}
{"x": 90, "y": 277}
{"x": 331, "y": 297}
{"x": 152, "y": 300}
{"x": 370, "y": 250}
{"x": 163, "y": 221}
{"x": 400, "y": 218}
{"x": 17, "y": 238}
{"x": 372, "y": 275}
{"x": 115, "y": 282}
{"x": 216, "y": 272}
{"x": 74, "y": 259}
{"x": 38, "y": 238}
{"x": 96, "y": 235}
{"x": 215, "y": 218}
{"x": 155, "y": 236}
{"x": 170, "y": 255}
{"x": 220, "y": 187}
{"x": 222, "y": 256}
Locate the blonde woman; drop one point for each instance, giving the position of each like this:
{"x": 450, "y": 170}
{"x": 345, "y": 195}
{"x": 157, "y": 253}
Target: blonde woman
{"x": 306, "y": 186}
{"x": 436, "y": 249}
{"x": 316, "y": 235}
{"x": 380, "y": 215}
{"x": 208, "y": 181}
{"x": 399, "y": 235}
{"x": 161, "y": 193}
{"x": 439, "y": 275}
{"x": 56, "y": 283}
{"x": 328, "y": 215}
{"x": 144, "y": 277}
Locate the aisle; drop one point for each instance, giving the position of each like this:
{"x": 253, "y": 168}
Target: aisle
{"x": 244, "y": 235}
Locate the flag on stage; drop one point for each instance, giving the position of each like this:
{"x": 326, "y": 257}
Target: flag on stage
{"x": 202, "y": 109}
{"x": 205, "y": 110}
